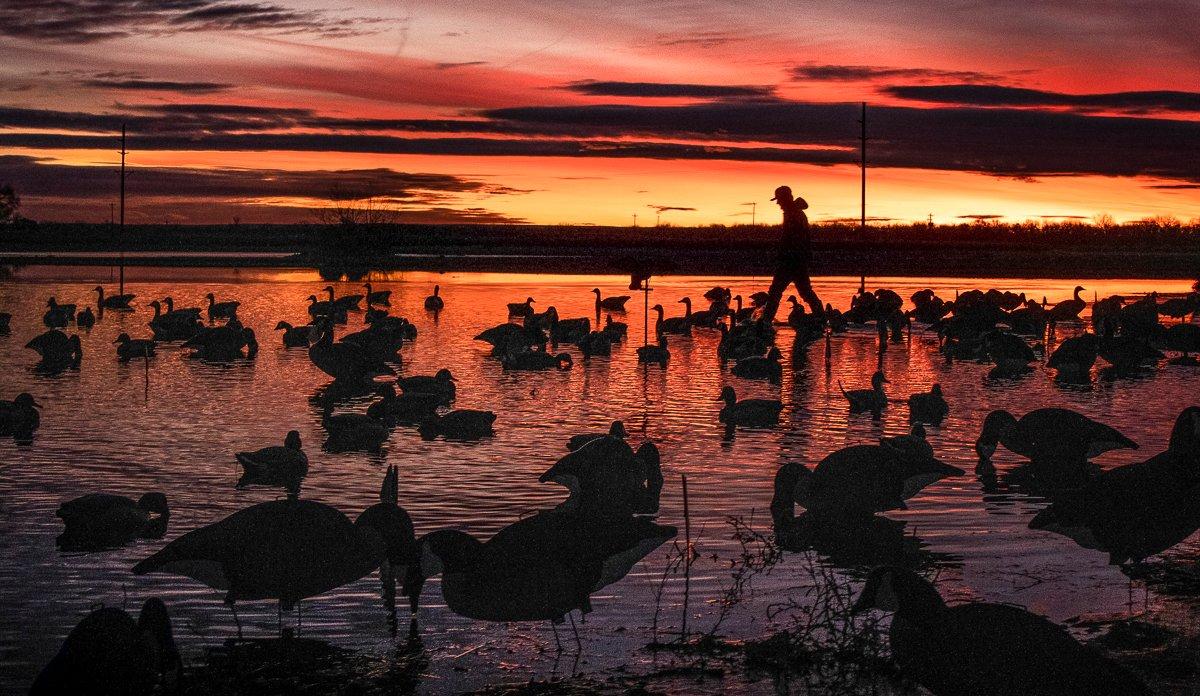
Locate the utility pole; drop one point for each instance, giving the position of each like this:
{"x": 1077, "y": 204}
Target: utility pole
{"x": 635, "y": 219}
{"x": 863, "y": 122}
{"x": 121, "y": 230}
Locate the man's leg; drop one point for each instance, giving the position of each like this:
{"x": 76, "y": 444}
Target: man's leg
{"x": 805, "y": 288}
{"x": 775, "y": 293}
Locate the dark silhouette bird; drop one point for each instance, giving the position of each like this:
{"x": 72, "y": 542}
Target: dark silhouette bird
{"x": 1074, "y": 357}
{"x": 596, "y": 343}
{"x": 19, "y": 417}
{"x": 435, "y": 303}
{"x": 353, "y": 432}
{"x": 658, "y": 354}
{"x": 748, "y": 412}
{"x": 521, "y": 309}
{"x": 440, "y": 384}
{"x": 509, "y": 337}
{"x": 863, "y": 400}
{"x": 616, "y": 430}
{"x": 985, "y": 649}
{"x": 1185, "y": 339}
{"x": 221, "y": 310}
{"x": 460, "y": 424}
{"x": 58, "y": 316}
{"x": 86, "y": 319}
{"x": 536, "y": 360}
{"x": 103, "y": 520}
{"x": 57, "y": 349}
{"x": 616, "y": 330}
{"x": 1067, "y": 310}
{"x": 109, "y": 653}
{"x": 615, "y": 303}
{"x": 606, "y": 477}
{"x": 681, "y": 326}
{"x": 382, "y": 298}
{"x": 278, "y": 465}
{"x": 174, "y": 325}
{"x": 929, "y": 407}
{"x": 409, "y": 408}
{"x": 112, "y": 301}
{"x": 1057, "y": 441}
{"x": 130, "y": 348}
{"x": 345, "y": 361}
{"x": 1127, "y": 353}
{"x": 765, "y": 367}
{"x": 5, "y": 322}
{"x": 294, "y": 336}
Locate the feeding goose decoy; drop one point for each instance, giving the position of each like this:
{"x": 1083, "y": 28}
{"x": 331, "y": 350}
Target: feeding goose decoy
{"x": 103, "y": 520}
{"x": 382, "y": 298}
{"x": 761, "y": 366}
{"x": 221, "y": 310}
{"x": 353, "y": 432}
{"x": 616, "y": 430}
{"x": 1074, "y": 357}
{"x": 57, "y": 349}
{"x": 863, "y": 400}
{"x": 521, "y": 309}
{"x": 984, "y": 648}
{"x": 606, "y": 477}
{"x": 275, "y": 466}
{"x": 748, "y": 412}
{"x": 294, "y": 336}
{"x": 111, "y": 301}
{"x": 681, "y": 326}
{"x": 440, "y": 384}
{"x": 19, "y": 417}
{"x": 615, "y": 303}
{"x": 536, "y": 360}
{"x": 86, "y": 319}
{"x": 929, "y": 407}
{"x": 286, "y": 550}
{"x": 460, "y": 424}
{"x": 109, "y": 653}
{"x": 409, "y": 408}
{"x": 435, "y": 303}
{"x": 130, "y": 348}
{"x": 658, "y": 354}
{"x": 1057, "y": 441}
{"x": 1067, "y": 310}
{"x": 345, "y": 361}
{"x": 1137, "y": 510}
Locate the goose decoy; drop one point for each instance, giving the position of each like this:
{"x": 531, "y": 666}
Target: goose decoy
{"x": 275, "y": 466}
{"x": 380, "y": 341}
{"x": 382, "y": 298}
{"x": 1008, "y": 352}
{"x": 435, "y": 303}
{"x": 929, "y": 407}
{"x": 1127, "y": 353}
{"x": 1184, "y": 339}
{"x": 171, "y": 311}
{"x": 536, "y": 360}
{"x": 741, "y": 314}
{"x": 19, "y": 417}
{"x": 460, "y": 424}
{"x": 748, "y": 412}
{"x": 1137, "y": 510}
{"x": 57, "y": 349}
{"x": 1067, "y": 310}
{"x": 568, "y": 330}
{"x": 345, "y": 303}
{"x": 615, "y": 303}
{"x": 509, "y": 337}
{"x": 440, "y": 384}
{"x": 322, "y": 308}
{"x": 353, "y": 432}
{"x": 983, "y": 648}
{"x": 345, "y": 361}
{"x": 221, "y": 310}
{"x": 112, "y": 301}
{"x": 130, "y": 348}
{"x": 1074, "y": 357}
{"x": 596, "y": 343}
{"x": 174, "y": 325}
{"x": 711, "y": 317}
{"x": 744, "y": 340}
{"x": 103, "y": 520}
{"x": 86, "y": 319}
{"x": 58, "y": 316}
{"x": 409, "y": 408}
{"x": 294, "y": 336}
{"x": 761, "y": 366}
{"x": 681, "y": 326}
{"x": 616, "y": 430}
{"x": 606, "y": 477}
{"x": 655, "y": 353}
{"x": 521, "y": 309}
{"x": 1057, "y": 441}
{"x": 287, "y": 550}
{"x": 616, "y": 330}
{"x": 109, "y": 653}
{"x": 863, "y": 400}
{"x": 223, "y": 343}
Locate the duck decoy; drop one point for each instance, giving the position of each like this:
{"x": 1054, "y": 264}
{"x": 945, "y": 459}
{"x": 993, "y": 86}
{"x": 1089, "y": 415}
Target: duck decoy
{"x": 409, "y": 408}
{"x": 435, "y": 303}
{"x": 748, "y": 412}
{"x": 288, "y": 550}
{"x": 615, "y": 303}
{"x": 109, "y": 653}
{"x": 1057, "y": 441}
{"x": 19, "y": 417}
{"x": 353, "y": 432}
{"x": 275, "y": 466}
{"x": 439, "y": 384}
{"x": 658, "y": 354}
{"x": 1137, "y": 510}
{"x": 536, "y": 360}
{"x": 929, "y": 407}
{"x": 345, "y": 361}
{"x": 616, "y": 430}
{"x": 103, "y": 520}
{"x": 57, "y": 349}
{"x": 86, "y": 319}
{"x": 1074, "y": 357}
{"x": 112, "y": 301}
{"x": 382, "y": 298}
{"x": 130, "y": 348}
{"x": 981, "y": 648}
{"x": 221, "y": 310}
{"x": 863, "y": 400}
{"x": 1067, "y": 310}
{"x": 294, "y": 336}
{"x": 460, "y": 424}
{"x": 761, "y": 366}
{"x": 521, "y": 309}
{"x": 606, "y": 477}
{"x": 681, "y": 326}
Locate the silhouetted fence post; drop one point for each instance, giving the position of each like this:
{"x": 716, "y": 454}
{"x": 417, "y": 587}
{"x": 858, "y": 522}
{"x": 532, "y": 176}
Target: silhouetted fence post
{"x": 687, "y": 563}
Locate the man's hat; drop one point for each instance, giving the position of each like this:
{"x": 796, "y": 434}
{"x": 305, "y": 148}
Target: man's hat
{"x": 781, "y": 191}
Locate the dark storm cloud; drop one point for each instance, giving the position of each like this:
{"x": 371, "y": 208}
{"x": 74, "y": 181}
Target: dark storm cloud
{"x": 667, "y": 208}
{"x": 997, "y": 95}
{"x": 462, "y": 64}
{"x": 158, "y": 85}
{"x": 603, "y": 88}
{"x": 87, "y": 21}
{"x": 861, "y": 73}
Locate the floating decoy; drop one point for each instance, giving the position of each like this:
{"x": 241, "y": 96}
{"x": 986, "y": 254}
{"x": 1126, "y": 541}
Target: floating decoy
{"x": 1127, "y": 353}
{"x": 345, "y": 361}
{"x": 1185, "y": 339}
{"x": 409, "y": 408}
{"x": 596, "y": 343}
{"x": 1009, "y": 352}
{"x": 103, "y": 520}
{"x": 112, "y": 301}
{"x": 760, "y": 366}
{"x": 1067, "y": 310}
{"x": 221, "y": 310}
{"x": 319, "y": 308}
{"x": 521, "y": 309}
{"x": 616, "y": 430}
{"x": 1074, "y": 357}
{"x": 275, "y": 466}
{"x": 744, "y": 340}
{"x": 5, "y": 321}
{"x": 435, "y": 303}
{"x": 344, "y": 303}
{"x": 929, "y": 407}
{"x": 384, "y": 297}
{"x": 223, "y": 343}
{"x": 741, "y": 314}
{"x": 380, "y": 341}
{"x": 569, "y": 330}
{"x": 1137, "y": 510}
{"x": 460, "y": 424}
{"x": 748, "y": 412}
{"x": 57, "y": 349}
{"x": 294, "y": 336}
{"x": 707, "y": 318}
{"x": 109, "y": 653}
{"x": 616, "y": 330}
{"x": 170, "y": 303}
{"x": 440, "y": 384}
{"x": 982, "y": 648}
{"x": 1057, "y": 441}
{"x": 174, "y": 325}
{"x": 615, "y": 303}
{"x": 655, "y": 353}
{"x": 130, "y": 348}
{"x": 675, "y": 325}
{"x": 353, "y": 432}
{"x": 509, "y": 337}
{"x": 19, "y": 417}
{"x": 287, "y": 550}
{"x": 86, "y": 319}
{"x": 536, "y": 360}
{"x": 873, "y": 399}
{"x": 607, "y": 478}
{"x": 58, "y": 316}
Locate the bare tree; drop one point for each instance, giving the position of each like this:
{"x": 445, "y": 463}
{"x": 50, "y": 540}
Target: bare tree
{"x": 356, "y": 212}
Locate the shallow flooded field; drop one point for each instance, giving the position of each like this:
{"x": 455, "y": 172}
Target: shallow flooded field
{"x": 174, "y": 427}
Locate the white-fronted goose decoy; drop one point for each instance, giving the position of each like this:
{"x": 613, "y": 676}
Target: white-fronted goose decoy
{"x": 748, "y": 412}
{"x": 435, "y": 303}
{"x": 382, "y": 298}
{"x": 19, "y": 417}
{"x": 983, "y": 648}
{"x": 606, "y": 477}
{"x": 460, "y": 424}
{"x": 1067, "y": 310}
{"x": 109, "y": 653}
{"x": 1057, "y": 441}
{"x": 275, "y": 466}
{"x": 615, "y": 303}
{"x": 103, "y": 520}
{"x": 761, "y": 366}
{"x": 112, "y": 301}
{"x": 521, "y": 309}
{"x": 130, "y": 348}
{"x": 873, "y": 400}
{"x": 616, "y": 430}
{"x": 929, "y": 407}
{"x": 221, "y": 310}
{"x": 439, "y": 384}
{"x": 1135, "y": 511}
{"x": 658, "y": 354}
{"x": 86, "y": 319}
{"x": 294, "y": 336}
{"x": 57, "y": 349}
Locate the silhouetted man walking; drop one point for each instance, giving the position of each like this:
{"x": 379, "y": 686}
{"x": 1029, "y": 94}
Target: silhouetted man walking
{"x": 794, "y": 256}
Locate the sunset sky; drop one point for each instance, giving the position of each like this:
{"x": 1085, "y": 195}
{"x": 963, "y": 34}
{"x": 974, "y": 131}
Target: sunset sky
{"x": 581, "y": 111}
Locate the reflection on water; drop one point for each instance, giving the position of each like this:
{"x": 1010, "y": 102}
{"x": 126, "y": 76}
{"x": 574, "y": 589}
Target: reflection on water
{"x": 118, "y": 427}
